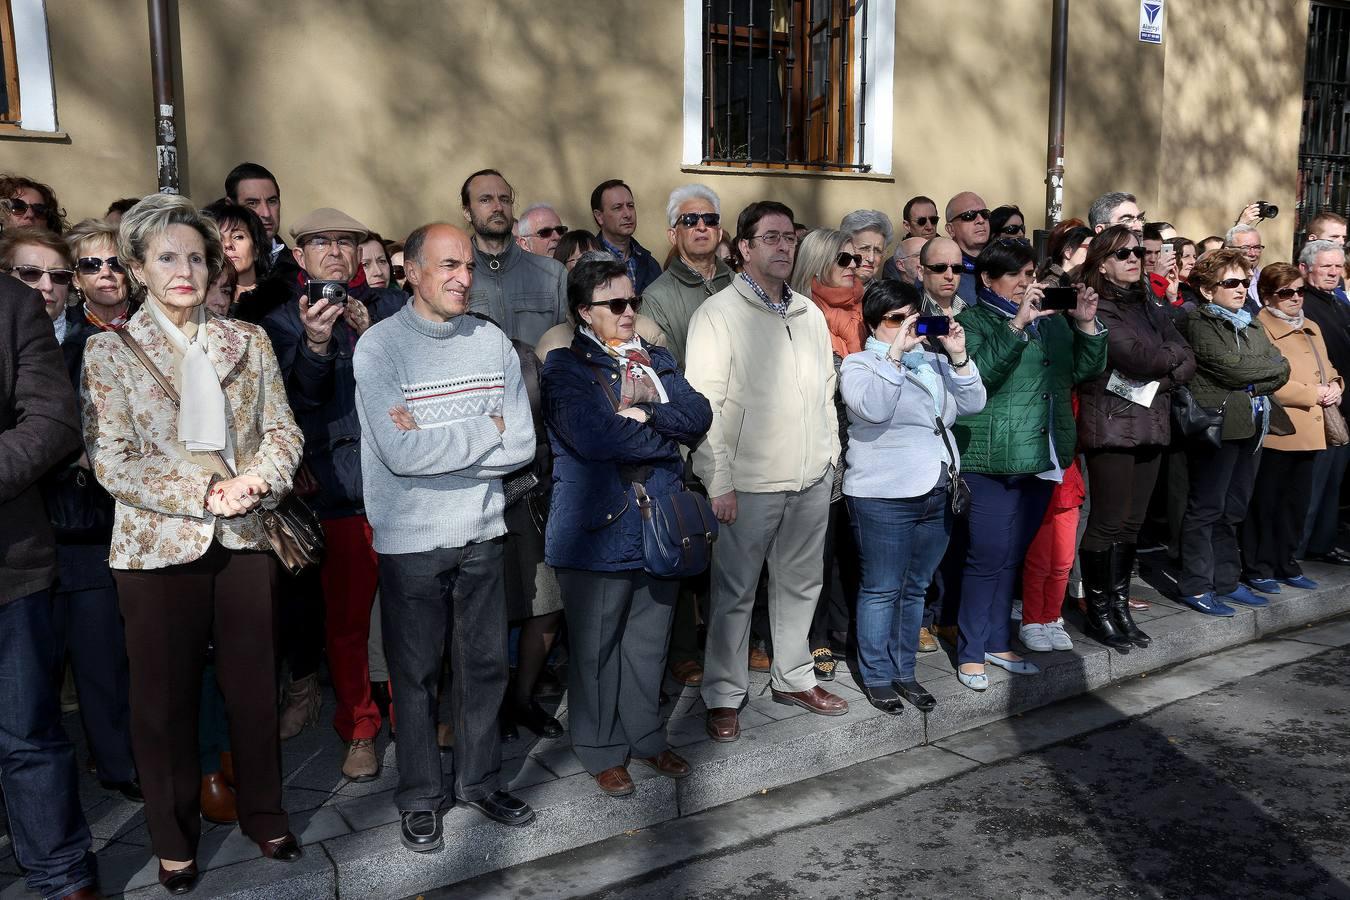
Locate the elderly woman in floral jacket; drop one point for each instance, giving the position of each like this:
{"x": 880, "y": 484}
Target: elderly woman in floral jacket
{"x": 189, "y": 558}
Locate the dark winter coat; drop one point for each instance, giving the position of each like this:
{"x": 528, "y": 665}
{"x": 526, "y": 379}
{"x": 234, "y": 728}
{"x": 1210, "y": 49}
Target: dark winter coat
{"x": 1232, "y": 366}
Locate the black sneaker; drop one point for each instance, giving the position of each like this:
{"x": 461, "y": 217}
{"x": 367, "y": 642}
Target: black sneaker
{"x": 421, "y": 831}
{"x": 914, "y": 692}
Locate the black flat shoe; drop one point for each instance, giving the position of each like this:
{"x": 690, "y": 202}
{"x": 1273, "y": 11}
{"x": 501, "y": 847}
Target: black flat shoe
{"x": 178, "y": 881}
{"x": 536, "y": 718}
{"x": 130, "y": 790}
{"x": 421, "y": 831}
{"x": 884, "y": 699}
{"x": 914, "y": 692}
{"x": 499, "y": 806}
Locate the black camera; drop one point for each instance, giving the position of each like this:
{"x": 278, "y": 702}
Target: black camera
{"x": 1266, "y": 210}
{"x": 335, "y": 292}
{"x": 932, "y": 326}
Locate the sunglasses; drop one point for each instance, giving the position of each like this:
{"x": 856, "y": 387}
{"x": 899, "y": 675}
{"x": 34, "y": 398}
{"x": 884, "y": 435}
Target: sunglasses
{"x": 33, "y": 274}
{"x": 619, "y": 304}
{"x": 689, "y": 220}
{"x": 972, "y": 214}
{"x": 844, "y": 260}
{"x": 1288, "y": 293}
{"x": 941, "y": 268}
{"x": 925, "y": 221}
{"x": 1231, "y": 283}
{"x": 895, "y": 318}
{"x": 558, "y": 230}
{"x": 1012, "y": 229}
{"x": 19, "y": 207}
{"x": 1125, "y": 253}
{"x": 397, "y": 273}
{"x": 92, "y": 265}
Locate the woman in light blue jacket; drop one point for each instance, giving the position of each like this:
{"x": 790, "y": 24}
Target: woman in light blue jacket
{"x": 903, "y": 391}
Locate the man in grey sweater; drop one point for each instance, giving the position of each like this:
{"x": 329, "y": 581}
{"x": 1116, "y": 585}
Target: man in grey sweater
{"x": 444, "y": 415}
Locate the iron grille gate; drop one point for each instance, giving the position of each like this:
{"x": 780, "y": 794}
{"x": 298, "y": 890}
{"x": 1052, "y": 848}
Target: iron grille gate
{"x": 1324, "y": 147}
{"x": 779, "y": 83}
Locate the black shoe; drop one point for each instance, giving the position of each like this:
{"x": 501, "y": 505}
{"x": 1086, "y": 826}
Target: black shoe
{"x": 421, "y": 831}
{"x": 914, "y": 692}
{"x": 536, "y": 718}
{"x": 884, "y": 699}
{"x": 1097, "y": 586}
{"x": 178, "y": 881}
{"x": 499, "y": 806}
{"x": 130, "y": 790}
{"x": 508, "y": 728}
{"x": 1337, "y": 557}
{"x": 379, "y": 692}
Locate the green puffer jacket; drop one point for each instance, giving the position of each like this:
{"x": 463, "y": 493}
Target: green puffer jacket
{"x": 1226, "y": 366}
{"x": 1026, "y": 378}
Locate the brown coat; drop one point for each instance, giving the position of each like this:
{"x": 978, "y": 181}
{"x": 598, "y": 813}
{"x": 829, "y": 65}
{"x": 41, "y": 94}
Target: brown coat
{"x": 1299, "y": 394}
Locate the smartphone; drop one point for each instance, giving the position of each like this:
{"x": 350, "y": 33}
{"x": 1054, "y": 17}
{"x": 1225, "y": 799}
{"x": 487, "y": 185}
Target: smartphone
{"x": 932, "y": 326}
{"x": 1060, "y": 298}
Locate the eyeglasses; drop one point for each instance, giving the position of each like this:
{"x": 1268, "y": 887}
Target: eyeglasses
{"x": 1289, "y": 293}
{"x": 895, "y": 318}
{"x": 1012, "y": 229}
{"x": 397, "y": 273}
{"x": 971, "y": 215}
{"x": 559, "y": 230}
{"x": 33, "y": 274}
{"x": 925, "y": 221}
{"x": 941, "y": 268}
{"x": 1128, "y": 219}
{"x": 844, "y": 260}
{"x": 321, "y": 243}
{"x": 1250, "y": 247}
{"x": 689, "y": 220}
{"x": 19, "y": 207}
{"x": 1125, "y": 253}
{"x": 1231, "y": 283}
{"x": 619, "y": 304}
{"x": 92, "y": 265}
{"x": 772, "y": 238}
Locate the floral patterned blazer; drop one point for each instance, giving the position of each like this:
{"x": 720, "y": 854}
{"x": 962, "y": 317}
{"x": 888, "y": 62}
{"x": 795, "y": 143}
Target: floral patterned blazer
{"x": 160, "y": 486}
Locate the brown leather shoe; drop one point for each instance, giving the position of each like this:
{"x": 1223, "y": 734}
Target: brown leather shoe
{"x": 615, "y": 781}
{"x": 361, "y": 763}
{"x": 217, "y": 800}
{"x": 301, "y": 707}
{"x": 759, "y": 660}
{"x": 687, "y": 672}
{"x": 227, "y": 767}
{"x": 667, "y": 762}
{"x": 723, "y": 725}
{"x": 927, "y": 643}
{"x": 817, "y": 700}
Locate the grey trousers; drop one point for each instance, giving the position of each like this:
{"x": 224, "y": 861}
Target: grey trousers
{"x": 618, "y": 626}
{"x": 788, "y": 530}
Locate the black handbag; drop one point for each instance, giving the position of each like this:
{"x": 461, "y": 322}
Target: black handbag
{"x": 78, "y": 507}
{"x": 1196, "y": 422}
{"x": 958, "y": 492}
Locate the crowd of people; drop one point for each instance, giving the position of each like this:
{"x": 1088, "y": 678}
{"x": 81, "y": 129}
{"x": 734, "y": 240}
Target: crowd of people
{"x": 906, "y": 438}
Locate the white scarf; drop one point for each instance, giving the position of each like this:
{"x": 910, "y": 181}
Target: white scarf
{"x": 1293, "y": 321}
{"x": 202, "y": 422}
{"x": 619, "y": 351}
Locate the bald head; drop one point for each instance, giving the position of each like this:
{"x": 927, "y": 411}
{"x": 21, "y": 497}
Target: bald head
{"x": 972, "y": 232}
{"x": 438, "y": 259}
{"x": 941, "y": 286}
{"x": 907, "y": 257}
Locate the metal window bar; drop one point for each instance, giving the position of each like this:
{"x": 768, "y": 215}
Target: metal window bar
{"x": 1324, "y": 151}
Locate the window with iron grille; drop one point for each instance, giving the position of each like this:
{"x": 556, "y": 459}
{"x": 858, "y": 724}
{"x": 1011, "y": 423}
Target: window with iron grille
{"x": 1324, "y": 148}
{"x": 784, "y": 83}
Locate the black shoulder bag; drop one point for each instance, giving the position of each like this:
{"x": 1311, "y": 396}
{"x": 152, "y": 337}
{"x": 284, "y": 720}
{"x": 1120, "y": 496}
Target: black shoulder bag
{"x": 958, "y": 492}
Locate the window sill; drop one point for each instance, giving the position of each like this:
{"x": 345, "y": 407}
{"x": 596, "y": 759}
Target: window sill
{"x": 8, "y": 132}
{"x": 797, "y": 173}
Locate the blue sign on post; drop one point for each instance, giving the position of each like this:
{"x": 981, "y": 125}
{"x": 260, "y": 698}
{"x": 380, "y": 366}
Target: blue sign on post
{"x": 1151, "y": 21}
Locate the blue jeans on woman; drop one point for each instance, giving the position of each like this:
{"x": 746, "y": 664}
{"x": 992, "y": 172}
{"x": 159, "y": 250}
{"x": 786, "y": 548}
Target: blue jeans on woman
{"x": 900, "y": 543}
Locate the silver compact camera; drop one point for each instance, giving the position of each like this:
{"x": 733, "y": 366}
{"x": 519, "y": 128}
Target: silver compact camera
{"x": 335, "y": 292}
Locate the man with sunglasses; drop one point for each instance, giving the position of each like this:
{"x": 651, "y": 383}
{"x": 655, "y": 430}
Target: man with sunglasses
{"x": 761, "y": 354}
{"x": 696, "y": 272}
{"x": 1116, "y": 208}
{"x": 539, "y": 230}
{"x": 524, "y": 293}
{"x": 920, "y": 217}
{"x": 968, "y": 225}
{"x": 941, "y": 265}
{"x": 615, "y": 214}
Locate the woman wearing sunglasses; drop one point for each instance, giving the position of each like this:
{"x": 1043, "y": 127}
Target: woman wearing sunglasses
{"x": 617, "y": 410}
{"x": 25, "y": 203}
{"x": 41, "y": 260}
{"x": 1008, "y": 221}
{"x": 1237, "y": 371}
{"x": 1124, "y": 425}
{"x": 1283, "y": 491}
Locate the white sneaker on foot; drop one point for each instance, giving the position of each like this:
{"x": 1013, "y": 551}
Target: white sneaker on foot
{"x": 1059, "y": 638}
{"x": 1035, "y": 637}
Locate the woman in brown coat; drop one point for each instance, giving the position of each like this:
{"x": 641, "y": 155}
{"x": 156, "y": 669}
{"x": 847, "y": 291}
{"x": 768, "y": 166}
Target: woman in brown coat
{"x": 1270, "y": 533}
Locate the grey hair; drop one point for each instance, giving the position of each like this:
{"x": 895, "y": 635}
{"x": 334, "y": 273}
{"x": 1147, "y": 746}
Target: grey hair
{"x": 1099, "y": 213}
{"x": 90, "y": 231}
{"x": 1307, "y": 257}
{"x": 528, "y": 213}
{"x": 1240, "y": 228}
{"x": 816, "y": 253}
{"x": 153, "y": 216}
{"x": 686, "y": 192}
{"x": 868, "y": 220}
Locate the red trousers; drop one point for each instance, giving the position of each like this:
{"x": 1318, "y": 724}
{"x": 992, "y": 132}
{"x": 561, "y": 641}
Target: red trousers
{"x": 350, "y": 575}
{"x": 1045, "y": 575}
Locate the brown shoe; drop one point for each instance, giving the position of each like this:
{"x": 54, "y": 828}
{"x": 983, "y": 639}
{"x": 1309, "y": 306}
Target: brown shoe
{"x": 947, "y": 632}
{"x": 302, "y": 706}
{"x": 615, "y": 781}
{"x": 724, "y": 725}
{"x": 817, "y": 700}
{"x": 667, "y": 762}
{"x": 759, "y": 660}
{"x": 687, "y": 672}
{"x": 217, "y": 800}
{"x": 927, "y": 643}
{"x": 227, "y": 767}
{"x": 361, "y": 763}
{"x": 445, "y": 737}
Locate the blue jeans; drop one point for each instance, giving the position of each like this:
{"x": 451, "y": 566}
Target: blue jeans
{"x": 900, "y": 543}
{"x": 37, "y": 760}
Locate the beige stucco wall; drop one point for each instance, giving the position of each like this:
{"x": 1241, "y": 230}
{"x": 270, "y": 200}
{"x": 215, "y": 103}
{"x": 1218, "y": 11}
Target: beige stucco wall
{"x": 382, "y": 109}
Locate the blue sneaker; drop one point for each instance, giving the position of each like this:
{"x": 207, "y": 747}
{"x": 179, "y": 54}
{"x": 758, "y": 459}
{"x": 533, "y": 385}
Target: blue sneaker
{"x": 1243, "y": 594}
{"x": 1207, "y": 604}
{"x": 1264, "y": 585}
{"x": 1300, "y": 581}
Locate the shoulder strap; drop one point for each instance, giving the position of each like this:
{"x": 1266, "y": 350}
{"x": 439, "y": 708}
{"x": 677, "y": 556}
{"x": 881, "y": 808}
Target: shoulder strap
{"x": 946, "y": 441}
{"x": 1312, "y": 345}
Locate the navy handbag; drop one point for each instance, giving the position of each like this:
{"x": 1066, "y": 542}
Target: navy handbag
{"x": 678, "y": 532}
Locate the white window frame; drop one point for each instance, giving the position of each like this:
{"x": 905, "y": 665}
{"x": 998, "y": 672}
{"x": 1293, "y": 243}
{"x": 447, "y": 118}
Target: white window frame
{"x": 33, "y": 56}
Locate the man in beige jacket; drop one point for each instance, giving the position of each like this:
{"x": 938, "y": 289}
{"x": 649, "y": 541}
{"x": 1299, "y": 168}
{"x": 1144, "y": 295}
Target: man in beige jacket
{"x": 761, "y": 355}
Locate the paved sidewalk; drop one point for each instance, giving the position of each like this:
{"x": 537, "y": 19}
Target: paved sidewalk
{"x": 351, "y": 831}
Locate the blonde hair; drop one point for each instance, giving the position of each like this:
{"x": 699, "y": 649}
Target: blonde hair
{"x": 90, "y": 231}
{"x": 817, "y": 252}
{"x": 153, "y": 216}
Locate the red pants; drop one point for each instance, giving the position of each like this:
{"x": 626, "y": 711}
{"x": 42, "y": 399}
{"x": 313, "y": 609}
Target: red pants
{"x": 350, "y": 574}
{"x": 1045, "y": 575}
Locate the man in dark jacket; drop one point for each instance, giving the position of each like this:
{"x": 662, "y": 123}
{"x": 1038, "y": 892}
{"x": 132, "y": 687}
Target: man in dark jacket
{"x": 314, "y": 345}
{"x": 1322, "y": 263}
{"x": 254, "y": 187}
{"x": 968, "y": 225}
{"x": 38, "y": 428}
{"x": 615, "y": 214}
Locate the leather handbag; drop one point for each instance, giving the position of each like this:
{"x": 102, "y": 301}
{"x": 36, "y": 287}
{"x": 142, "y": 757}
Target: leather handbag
{"x": 80, "y": 510}
{"x": 1194, "y": 421}
{"x": 1338, "y": 434}
{"x": 293, "y": 530}
{"x": 958, "y": 492}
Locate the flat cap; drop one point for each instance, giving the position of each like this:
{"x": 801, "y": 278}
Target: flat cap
{"x": 328, "y": 219}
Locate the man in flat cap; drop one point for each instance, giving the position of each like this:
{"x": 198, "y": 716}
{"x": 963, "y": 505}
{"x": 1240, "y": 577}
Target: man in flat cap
{"x": 314, "y": 341}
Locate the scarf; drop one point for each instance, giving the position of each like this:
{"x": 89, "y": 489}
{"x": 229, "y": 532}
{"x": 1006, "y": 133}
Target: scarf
{"x": 918, "y": 364}
{"x": 1005, "y": 306}
{"x": 640, "y": 383}
{"x": 842, "y": 307}
{"x": 1292, "y": 321}
{"x": 202, "y": 422}
{"x": 1240, "y": 319}
{"x": 60, "y": 325}
{"x": 116, "y": 323}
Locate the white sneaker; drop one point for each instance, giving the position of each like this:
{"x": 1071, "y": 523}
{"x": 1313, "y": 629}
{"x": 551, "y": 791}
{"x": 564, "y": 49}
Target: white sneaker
{"x": 1059, "y": 638}
{"x": 1035, "y": 637}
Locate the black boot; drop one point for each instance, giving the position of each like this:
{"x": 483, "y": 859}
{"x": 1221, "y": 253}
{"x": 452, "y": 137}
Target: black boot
{"x": 1122, "y": 567}
{"x": 1096, "y": 566}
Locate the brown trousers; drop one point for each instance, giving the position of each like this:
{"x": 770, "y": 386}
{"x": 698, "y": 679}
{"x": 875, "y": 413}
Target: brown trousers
{"x": 226, "y": 597}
